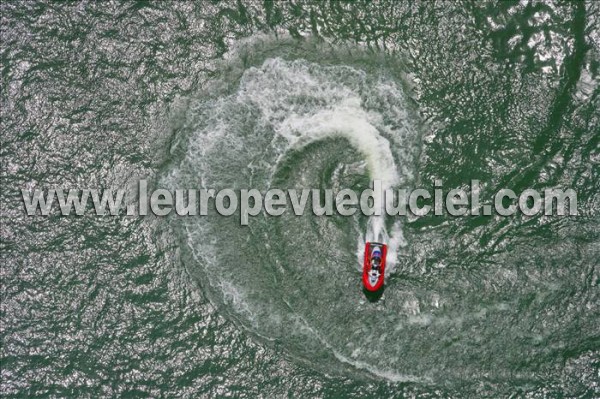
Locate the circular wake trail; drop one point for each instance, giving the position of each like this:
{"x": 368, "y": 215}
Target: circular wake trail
{"x": 298, "y": 124}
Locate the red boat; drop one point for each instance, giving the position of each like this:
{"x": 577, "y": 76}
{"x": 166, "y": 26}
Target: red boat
{"x": 374, "y": 266}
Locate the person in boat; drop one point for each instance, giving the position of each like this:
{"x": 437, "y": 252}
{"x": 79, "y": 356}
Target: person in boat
{"x": 375, "y": 263}
{"x": 375, "y": 270}
{"x": 376, "y": 259}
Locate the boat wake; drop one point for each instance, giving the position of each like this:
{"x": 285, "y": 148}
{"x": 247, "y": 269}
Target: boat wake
{"x": 312, "y": 119}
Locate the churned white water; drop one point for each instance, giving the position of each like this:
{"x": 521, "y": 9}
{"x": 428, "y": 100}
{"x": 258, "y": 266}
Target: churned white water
{"x": 289, "y": 123}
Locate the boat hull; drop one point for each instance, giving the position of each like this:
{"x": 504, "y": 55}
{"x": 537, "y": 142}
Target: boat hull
{"x": 369, "y": 283}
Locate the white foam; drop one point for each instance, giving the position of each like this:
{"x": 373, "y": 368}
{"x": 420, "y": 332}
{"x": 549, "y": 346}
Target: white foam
{"x": 342, "y": 115}
{"x": 282, "y": 106}
{"x": 387, "y": 374}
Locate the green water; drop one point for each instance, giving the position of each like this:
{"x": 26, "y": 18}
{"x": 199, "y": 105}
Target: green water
{"x": 315, "y": 95}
